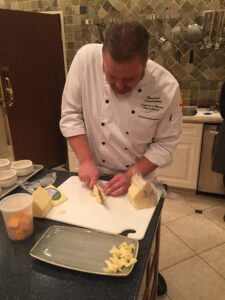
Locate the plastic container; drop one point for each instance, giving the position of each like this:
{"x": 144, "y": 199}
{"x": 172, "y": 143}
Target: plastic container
{"x": 18, "y": 217}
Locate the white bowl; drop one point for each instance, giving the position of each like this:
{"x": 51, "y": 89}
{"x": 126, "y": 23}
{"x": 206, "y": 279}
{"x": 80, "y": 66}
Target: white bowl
{"x": 7, "y": 178}
{"x": 4, "y": 164}
{"x": 22, "y": 167}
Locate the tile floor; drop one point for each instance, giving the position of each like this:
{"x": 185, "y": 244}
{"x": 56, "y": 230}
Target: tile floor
{"x": 192, "y": 250}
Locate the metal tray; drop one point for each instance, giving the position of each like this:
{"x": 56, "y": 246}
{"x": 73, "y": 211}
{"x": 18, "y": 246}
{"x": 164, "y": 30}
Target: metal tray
{"x": 20, "y": 179}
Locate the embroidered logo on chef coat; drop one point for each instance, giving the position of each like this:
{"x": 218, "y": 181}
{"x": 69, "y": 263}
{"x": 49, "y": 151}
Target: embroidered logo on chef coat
{"x": 150, "y": 108}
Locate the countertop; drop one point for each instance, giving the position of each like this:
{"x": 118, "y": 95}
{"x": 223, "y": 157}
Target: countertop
{"x": 204, "y": 116}
{"x": 23, "y": 277}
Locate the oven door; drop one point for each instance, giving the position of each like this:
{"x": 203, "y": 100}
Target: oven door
{"x": 209, "y": 181}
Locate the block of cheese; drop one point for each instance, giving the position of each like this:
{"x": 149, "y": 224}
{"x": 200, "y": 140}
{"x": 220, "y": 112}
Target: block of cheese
{"x": 142, "y": 193}
{"x": 56, "y": 196}
{"x": 42, "y": 202}
{"x": 98, "y": 193}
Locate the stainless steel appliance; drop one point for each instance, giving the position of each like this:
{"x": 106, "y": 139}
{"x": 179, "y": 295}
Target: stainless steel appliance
{"x": 209, "y": 181}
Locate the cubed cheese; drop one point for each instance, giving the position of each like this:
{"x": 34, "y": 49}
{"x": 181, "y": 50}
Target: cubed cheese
{"x": 141, "y": 193}
{"x": 121, "y": 257}
{"x": 42, "y": 202}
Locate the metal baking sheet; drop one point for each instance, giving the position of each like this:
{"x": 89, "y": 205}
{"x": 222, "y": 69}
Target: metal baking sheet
{"x": 20, "y": 179}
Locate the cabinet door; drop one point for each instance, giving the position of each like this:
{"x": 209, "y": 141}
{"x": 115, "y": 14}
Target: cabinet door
{"x": 31, "y": 60}
{"x": 183, "y": 172}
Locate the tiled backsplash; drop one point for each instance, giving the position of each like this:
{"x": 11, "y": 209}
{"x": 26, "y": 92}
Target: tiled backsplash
{"x": 200, "y": 72}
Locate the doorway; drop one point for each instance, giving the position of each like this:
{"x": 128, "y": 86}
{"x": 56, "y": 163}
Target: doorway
{"x": 33, "y": 77}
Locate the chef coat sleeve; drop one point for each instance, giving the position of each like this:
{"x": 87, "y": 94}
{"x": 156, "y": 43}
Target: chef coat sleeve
{"x": 167, "y": 134}
{"x": 72, "y": 122}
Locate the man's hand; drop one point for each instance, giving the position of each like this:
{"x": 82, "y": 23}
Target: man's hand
{"x": 88, "y": 173}
{"x": 118, "y": 185}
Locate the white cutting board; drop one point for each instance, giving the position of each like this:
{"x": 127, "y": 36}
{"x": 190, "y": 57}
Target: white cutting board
{"x": 116, "y": 216}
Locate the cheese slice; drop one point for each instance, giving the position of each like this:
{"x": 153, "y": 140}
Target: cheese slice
{"x": 96, "y": 194}
{"x": 101, "y": 193}
{"x": 42, "y": 202}
{"x": 56, "y": 196}
{"x": 141, "y": 193}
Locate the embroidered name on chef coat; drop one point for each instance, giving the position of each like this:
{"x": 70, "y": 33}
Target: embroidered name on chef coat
{"x": 150, "y": 107}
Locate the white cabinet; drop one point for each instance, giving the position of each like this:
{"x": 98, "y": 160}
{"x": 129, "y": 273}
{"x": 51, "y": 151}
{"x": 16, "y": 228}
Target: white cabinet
{"x": 183, "y": 172}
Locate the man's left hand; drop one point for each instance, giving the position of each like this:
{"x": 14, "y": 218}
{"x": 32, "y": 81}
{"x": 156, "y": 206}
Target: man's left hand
{"x": 118, "y": 185}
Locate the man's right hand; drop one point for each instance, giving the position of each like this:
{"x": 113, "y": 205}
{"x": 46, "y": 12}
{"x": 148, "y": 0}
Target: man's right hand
{"x": 88, "y": 173}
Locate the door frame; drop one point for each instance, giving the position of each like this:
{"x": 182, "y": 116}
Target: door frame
{"x": 60, "y": 13}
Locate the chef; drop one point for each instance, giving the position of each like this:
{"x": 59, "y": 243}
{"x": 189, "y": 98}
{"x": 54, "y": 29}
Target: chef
{"x": 121, "y": 111}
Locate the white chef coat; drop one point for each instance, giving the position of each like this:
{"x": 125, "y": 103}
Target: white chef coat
{"x": 121, "y": 129}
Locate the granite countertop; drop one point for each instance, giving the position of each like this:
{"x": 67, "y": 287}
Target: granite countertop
{"x": 204, "y": 116}
{"x": 23, "y": 277}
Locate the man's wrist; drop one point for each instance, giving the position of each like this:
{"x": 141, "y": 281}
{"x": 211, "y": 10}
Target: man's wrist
{"x": 132, "y": 171}
{"x": 84, "y": 160}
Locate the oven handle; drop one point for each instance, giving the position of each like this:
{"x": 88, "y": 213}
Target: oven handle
{"x": 212, "y": 132}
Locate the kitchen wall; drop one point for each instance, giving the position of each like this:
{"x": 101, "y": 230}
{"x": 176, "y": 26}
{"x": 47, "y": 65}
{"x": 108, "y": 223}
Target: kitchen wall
{"x": 200, "y": 72}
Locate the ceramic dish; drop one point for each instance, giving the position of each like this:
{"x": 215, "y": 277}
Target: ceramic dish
{"x": 4, "y": 164}
{"x": 79, "y": 249}
{"x": 7, "y": 190}
{"x": 22, "y": 167}
{"x": 7, "y": 178}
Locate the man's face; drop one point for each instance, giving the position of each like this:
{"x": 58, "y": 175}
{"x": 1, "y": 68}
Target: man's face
{"x": 123, "y": 76}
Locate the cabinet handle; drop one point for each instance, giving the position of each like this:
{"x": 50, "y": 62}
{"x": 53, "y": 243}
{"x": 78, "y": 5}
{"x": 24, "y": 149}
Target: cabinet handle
{"x": 212, "y": 132}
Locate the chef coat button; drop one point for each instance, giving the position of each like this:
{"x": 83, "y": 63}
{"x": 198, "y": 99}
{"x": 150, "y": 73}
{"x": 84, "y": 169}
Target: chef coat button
{"x": 107, "y": 101}
{"x": 127, "y": 132}
{"x": 103, "y": 143}
{"x": 125, "y": 148}
{"x": 103, "y": 124}
{"x": 133, "y": 111}
{"x": 103, "y": 161}
{"x": 139, "y": 90}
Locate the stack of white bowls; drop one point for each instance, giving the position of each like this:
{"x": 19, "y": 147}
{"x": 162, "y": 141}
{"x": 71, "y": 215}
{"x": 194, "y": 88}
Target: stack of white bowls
{"x": 9, "y": 171}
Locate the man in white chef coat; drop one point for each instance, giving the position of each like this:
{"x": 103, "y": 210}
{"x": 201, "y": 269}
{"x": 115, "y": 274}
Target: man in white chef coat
{"x": 121, "y": 111}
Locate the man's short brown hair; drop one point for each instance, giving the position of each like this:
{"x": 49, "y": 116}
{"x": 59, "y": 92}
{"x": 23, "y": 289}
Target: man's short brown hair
{"x": 126, "y": 40}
